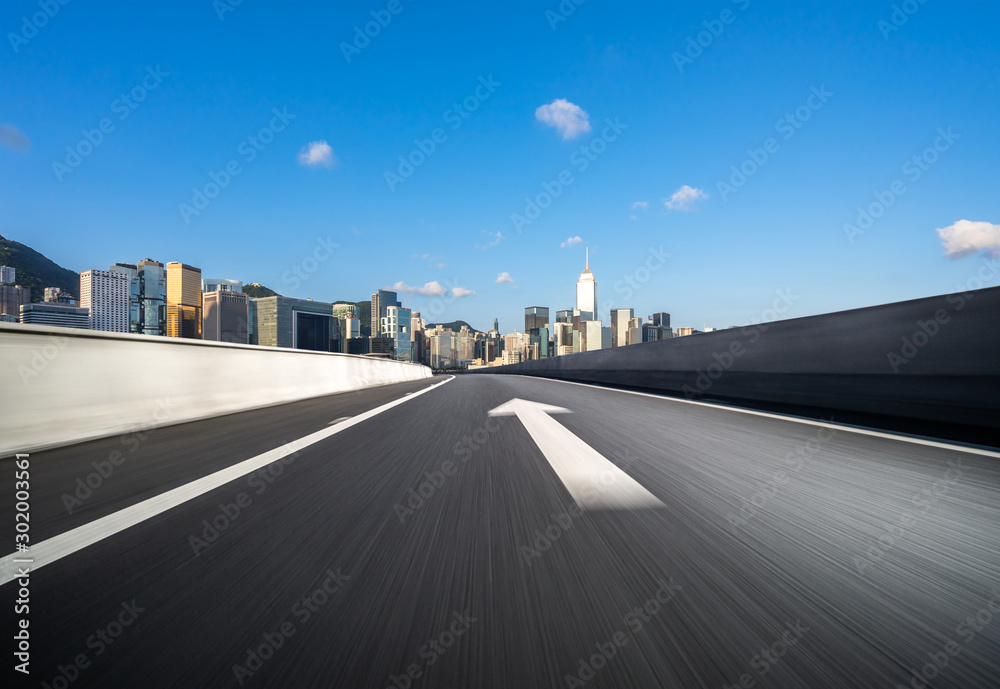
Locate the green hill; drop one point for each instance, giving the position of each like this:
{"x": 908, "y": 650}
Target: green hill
{"x": 257, "y": 291}
{"x": 36, "y": 271}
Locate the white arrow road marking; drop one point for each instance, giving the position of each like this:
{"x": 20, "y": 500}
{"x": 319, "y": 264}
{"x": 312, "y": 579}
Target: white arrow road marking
{"x": 55, "y": 548}
{"x": 594, "y": 482}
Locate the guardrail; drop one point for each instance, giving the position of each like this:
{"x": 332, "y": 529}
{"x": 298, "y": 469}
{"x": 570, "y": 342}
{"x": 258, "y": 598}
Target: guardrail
{"x": 936, "y": 359}
{"x": 64, "y": 385}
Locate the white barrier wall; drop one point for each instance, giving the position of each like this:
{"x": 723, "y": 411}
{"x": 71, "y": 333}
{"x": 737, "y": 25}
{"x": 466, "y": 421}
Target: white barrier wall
{"x": 63, "y": 385}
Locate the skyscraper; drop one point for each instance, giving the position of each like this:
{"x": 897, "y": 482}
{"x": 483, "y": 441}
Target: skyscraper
{"x": 418, "y": 342}
{"x": 131, "y": 271}
{"x": 381, "y": 301}
{"x": 183, "y": 301}
{"x": 536, "y": 317}
{"x": 152, "y": 297}
{"x": 7, "y": 275}
{"x": 660, "y": 319}
{"x": 106, "y": 295}
{"x": 396, "y": 325}
{"x": 619, "y": 326}
{"x": 536, "y": 327}
{"x": 225, "y": 316}
{"x": 593, "y": 336}
{"x": 586, "y": 292}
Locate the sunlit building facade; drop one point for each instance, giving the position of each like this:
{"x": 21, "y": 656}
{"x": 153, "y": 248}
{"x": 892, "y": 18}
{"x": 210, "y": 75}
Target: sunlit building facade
{"x": 183, "y": 301}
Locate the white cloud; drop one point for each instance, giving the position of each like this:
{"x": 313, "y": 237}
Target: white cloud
{"x": 684, "y": 198}
{"x": 640, "y": 204}
{"x": 440, "y": 266}
{"x": 968, "y": 237}
{"x": 504, "y": 277}
{"x": 462, "y": 292}
{"x": 318, "y": 153}
{"x": 568, "y": 118}
{"x": 495, "y": 238}
{"x": 571, "y": 241}
{"x": 430, "y": 289}
{"x": 12, "y": 137}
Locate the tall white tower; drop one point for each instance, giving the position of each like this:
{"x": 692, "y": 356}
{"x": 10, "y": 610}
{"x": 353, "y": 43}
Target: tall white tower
{"x": 586, "y": 290}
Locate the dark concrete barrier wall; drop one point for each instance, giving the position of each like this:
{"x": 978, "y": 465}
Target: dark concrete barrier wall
{"x": 936, "y": 359}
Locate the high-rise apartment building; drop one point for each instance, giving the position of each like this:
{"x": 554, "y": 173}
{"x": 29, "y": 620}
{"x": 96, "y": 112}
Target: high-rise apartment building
{"x": 619, "y": 326}
{"x": 225, "y": 316}
{"x": 7, "y": 275}
{"x": 131, "y": 271}
{"x": 183, "y": 301}
{"x": 152, "y": 297}
{"x": 106, "y": 295}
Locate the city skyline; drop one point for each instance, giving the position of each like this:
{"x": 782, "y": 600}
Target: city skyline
{"x": 736, "y": 188}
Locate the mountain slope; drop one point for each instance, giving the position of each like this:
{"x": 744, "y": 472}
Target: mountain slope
{"x": 36, "y": 271}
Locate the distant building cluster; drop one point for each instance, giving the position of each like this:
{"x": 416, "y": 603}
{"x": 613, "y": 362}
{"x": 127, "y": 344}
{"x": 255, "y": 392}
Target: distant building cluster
{"x": 174, "y": 300}
{"x": 574, "y": 330}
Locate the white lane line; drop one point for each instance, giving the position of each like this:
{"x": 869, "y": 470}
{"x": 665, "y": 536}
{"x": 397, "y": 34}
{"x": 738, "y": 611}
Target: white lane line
{"x": 342, "y": 418}
{"x": 780, "y": 417}
{"x": 48, "y": 551}
{"x": 593, "y": 481}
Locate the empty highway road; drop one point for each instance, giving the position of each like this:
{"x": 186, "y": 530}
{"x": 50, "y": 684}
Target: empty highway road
{"x": 500, "y": 531}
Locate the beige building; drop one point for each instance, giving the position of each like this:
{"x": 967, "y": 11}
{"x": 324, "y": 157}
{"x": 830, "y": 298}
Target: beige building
{"x": 183, "y": 301}
{"x": 226, "y": 317}
{"x": 620, "y": 319}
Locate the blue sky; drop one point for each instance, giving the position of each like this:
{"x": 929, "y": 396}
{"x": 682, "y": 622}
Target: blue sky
{"x": 209, "y": 84}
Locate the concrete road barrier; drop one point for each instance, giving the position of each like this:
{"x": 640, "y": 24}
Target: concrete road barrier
{"x": 935, "y": 359}
{"x": 63, "y": 385}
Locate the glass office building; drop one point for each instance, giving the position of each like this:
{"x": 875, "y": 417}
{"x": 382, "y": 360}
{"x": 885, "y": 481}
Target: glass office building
{"x": 294, "y": 323}
{"x": 152, "y": 297}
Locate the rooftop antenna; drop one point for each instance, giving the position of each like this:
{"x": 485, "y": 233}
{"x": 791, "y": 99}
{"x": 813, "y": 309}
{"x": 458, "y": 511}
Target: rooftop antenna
{"x": 587, "y": 267}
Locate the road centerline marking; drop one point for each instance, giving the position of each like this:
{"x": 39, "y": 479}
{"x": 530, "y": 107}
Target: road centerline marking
{"x": 53, "y": 549}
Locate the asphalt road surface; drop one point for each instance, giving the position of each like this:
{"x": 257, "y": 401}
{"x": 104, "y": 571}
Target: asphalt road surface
{"x": 430, "y": 544}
